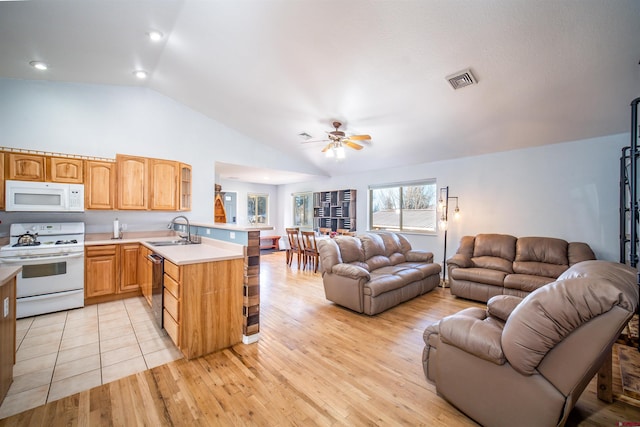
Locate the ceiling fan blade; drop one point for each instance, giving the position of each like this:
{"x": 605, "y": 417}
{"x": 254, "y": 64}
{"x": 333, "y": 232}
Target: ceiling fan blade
{"x": 352, "y": 144}
{"x": 359, "y": 137}
{"x": 327, "y": 147}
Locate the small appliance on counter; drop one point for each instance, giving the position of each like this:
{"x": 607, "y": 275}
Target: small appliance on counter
{"x": 52, "y": 260}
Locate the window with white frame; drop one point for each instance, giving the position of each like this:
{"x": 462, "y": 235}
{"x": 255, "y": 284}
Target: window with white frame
{"x": 409, "y": 207}
{"x": 258, "y": 208}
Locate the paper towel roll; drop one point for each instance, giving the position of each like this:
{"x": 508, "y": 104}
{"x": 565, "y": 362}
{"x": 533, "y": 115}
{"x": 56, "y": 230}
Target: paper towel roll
{"x": 116, "y": 229}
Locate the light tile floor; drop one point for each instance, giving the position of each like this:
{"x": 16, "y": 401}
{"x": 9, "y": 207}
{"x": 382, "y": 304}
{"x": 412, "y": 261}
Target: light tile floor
{"x": 63, "y": 353}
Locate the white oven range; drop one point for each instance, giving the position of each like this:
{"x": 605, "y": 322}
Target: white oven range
{"x": 52, "y": 260}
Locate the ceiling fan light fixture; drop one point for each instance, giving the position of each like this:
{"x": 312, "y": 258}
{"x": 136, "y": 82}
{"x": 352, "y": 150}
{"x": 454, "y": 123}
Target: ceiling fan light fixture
{"x": 39, "y": 65}
{"x": 155, "y": 36}
{"x": 340, "y": 152}
{"x": 329, "y": 153}
{"x": 141, "y": 74}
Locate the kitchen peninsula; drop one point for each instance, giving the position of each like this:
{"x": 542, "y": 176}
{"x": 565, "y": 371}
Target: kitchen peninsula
{"x": 211, "y": 290}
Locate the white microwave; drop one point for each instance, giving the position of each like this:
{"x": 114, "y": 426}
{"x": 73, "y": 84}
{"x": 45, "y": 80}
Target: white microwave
{"x": 31, "y": 196}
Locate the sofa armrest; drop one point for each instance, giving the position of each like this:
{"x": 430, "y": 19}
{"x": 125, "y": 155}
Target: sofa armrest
{"x": 460, "y": 261}
{"x": 501, "y": 306}
{"x": 419, "y": 256}
{"x": 351, "y": 271}
{"x": 475, "y": 336}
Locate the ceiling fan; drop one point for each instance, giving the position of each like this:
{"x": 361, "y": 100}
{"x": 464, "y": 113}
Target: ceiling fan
{"x": 338, "y": 140}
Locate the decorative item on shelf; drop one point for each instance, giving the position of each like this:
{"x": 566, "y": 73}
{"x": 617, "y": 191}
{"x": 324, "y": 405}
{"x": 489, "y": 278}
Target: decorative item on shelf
{"x": 443, "y": 204}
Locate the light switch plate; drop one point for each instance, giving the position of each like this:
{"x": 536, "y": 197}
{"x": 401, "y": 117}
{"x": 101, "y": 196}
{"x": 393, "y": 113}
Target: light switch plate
{"x": 6, "y": 307}
{"x": 232, "y": 234}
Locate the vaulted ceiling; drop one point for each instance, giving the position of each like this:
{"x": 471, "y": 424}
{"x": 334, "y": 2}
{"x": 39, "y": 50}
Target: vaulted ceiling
{"x": 547, "y": 71}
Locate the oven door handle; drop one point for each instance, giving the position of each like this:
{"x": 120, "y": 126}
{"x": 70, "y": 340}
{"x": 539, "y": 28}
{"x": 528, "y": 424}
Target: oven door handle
{"x": 60, "y": 257}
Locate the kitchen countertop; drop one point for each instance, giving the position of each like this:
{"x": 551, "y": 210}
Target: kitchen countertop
{"x": 7, "y": 273}
{"x": 208, "y": 251}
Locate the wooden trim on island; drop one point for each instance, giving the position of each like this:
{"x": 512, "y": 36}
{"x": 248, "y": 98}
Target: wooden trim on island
{"x": 251, "y": 288}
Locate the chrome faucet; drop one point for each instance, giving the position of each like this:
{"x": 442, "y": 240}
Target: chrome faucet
{"x": 173, "y": 221}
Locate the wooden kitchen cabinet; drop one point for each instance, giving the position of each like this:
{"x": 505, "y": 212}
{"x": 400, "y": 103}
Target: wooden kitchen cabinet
{"x": 128, "y": 267}
{"x": 62, "y": 169}
{"x": 184, "y": 190}
{"x": 101, "y": 270}
{"x": 132, "y": 182}
{"x": 111, "y": 272}
{"x": 99, "y": 185}
{"x": 25, "y": 167}
{"x": 145, "y": 273}
{"x": 171, "y": 301}
{"x": 164, "y": 184}
{"x": 203, "y": 305}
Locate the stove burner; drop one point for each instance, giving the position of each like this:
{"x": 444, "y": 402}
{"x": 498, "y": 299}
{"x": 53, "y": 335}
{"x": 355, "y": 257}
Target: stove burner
{"x": 17, "y": 245}
{"x": 65, "y": 242}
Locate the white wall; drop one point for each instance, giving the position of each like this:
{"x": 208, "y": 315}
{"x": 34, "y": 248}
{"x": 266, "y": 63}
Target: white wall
{"x": 568, "y": 190}
{"x": 565, "y": 190}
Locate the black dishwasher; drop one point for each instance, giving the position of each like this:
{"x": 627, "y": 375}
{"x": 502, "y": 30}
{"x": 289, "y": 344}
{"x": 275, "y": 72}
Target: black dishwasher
{"x": 157, "y": 287}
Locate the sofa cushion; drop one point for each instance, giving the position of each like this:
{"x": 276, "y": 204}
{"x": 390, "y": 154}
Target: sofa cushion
{"x": 541, "y": 256}
{"x": 579, "y": 252}
{"x": 495, "y": 245}
{"x": 405, "y": 246}
{"x": 377, "y": 261}
{"x": 351, "y": 250}
{"x": 329, "y": 254}
{"x": 501, "y": 306}
{"x": 425, "y": 270}
{"x": 410, "y": 275}
{"x": 493, "y": 263}
{"x": 391, "y": 242}
{"x": 526, "y": 282}
{"x": 381, "y": 283}
{"x": 397, "y": 258}
{"x": 373, "y": 245}
{"x": 479, "y": 275}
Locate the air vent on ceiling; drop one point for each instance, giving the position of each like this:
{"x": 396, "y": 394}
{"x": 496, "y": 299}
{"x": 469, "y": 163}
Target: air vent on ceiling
{"x": 461, "y": 79}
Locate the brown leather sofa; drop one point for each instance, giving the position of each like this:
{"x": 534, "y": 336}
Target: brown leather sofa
{"x": 525, "y": 362}
{"x": 373, "y": 272}
{"x": 495, "y": 264}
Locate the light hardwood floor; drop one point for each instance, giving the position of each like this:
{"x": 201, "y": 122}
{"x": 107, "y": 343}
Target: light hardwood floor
{"x": 315, "y": 364}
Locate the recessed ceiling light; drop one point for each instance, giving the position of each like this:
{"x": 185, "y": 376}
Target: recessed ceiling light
{"x": 155, "y": 36}
{"x": 141, "y": 74}
{"x": 39, "y": 65}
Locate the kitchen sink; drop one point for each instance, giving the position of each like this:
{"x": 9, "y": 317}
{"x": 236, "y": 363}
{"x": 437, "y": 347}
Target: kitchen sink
{"x": 171, "y": 243}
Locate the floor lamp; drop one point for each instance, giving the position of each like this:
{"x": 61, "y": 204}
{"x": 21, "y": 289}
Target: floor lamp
{"x": 444, "y": 222}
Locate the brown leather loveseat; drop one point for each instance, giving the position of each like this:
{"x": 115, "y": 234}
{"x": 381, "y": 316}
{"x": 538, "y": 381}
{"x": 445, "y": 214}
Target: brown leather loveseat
{"x": 525, "y": 362}
{"x": 372, "y": 272}
{"x": 499, "y": 264}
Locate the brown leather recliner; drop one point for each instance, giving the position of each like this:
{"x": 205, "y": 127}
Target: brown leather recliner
{"x": 526, "y": 362}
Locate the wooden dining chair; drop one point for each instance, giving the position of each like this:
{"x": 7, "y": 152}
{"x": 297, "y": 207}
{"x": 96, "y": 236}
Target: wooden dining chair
{"x": 345, "y": 232}
{"x": 323, "y": 230}
{"x": 310, "y": 253}
{"x": 295, "y": 248}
